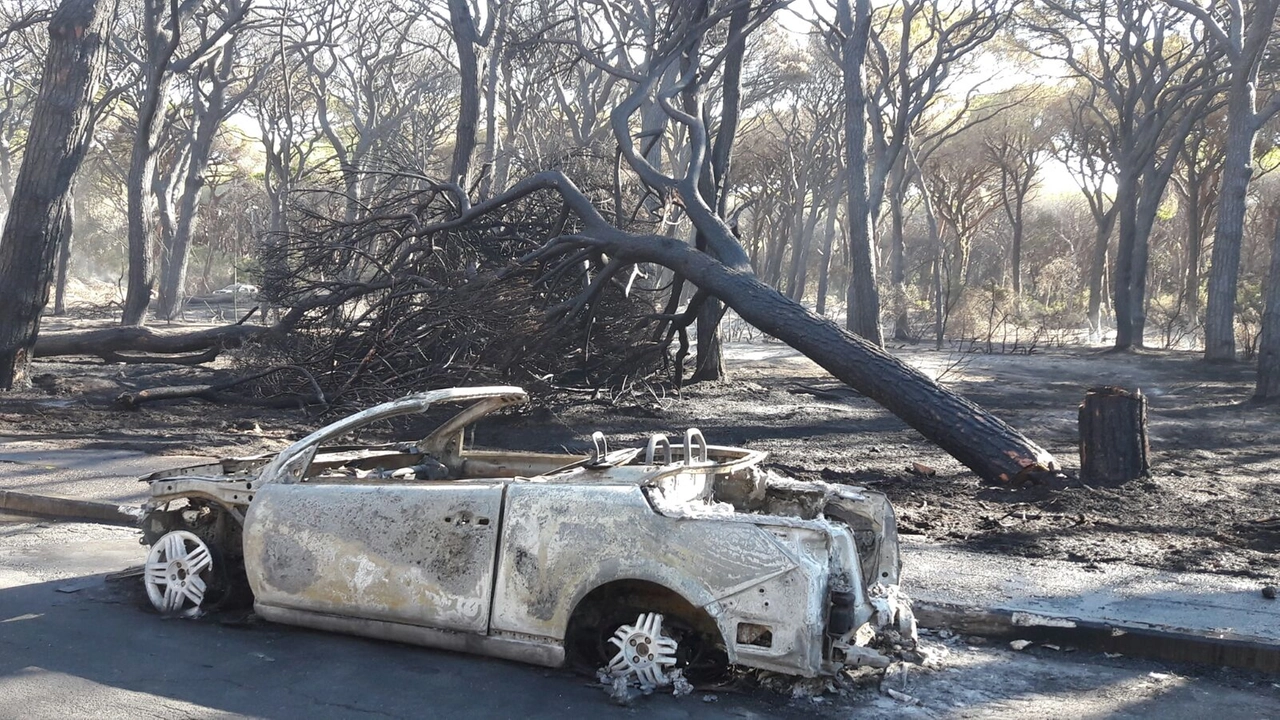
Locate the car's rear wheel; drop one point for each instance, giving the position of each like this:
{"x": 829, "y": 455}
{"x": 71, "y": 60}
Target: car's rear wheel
{"x": 645, "y": 652}
{"x": 622, "y": 612}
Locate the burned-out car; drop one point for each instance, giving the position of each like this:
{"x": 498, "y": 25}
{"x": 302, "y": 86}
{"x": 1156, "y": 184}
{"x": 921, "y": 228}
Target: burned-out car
{"x": 643, "y": 560}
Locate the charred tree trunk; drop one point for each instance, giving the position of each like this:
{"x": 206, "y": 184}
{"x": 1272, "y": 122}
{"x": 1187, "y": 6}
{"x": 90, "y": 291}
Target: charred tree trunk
{"x": 1268, "y": 388}
{"x": 465, "y": 37}
{"x": 776, "y": 247}
{"x": 710, "y": 360}
{"x": 1113, "y": 436}
{"x": 78, "y": 37}
{"x": 863, "y": 305}
{"x": 800, "y": 251}
{"x": 898, "y": 255}
{"x": 713, "y": 187}
{"x": 1098, "y": 269}
{"x": 64, "y": 255}
{"x": 1195, "y": 248}
{"x": 493, "y": 78}
{"x": 1224, "y": 268}
{"x": 142, "y": 210}
{"x": 1015, "y": 252}
{"x": 1122, "y": 286}
{"x": 208, "y": 115}
{"x": 114, "y": 343}
{"x": 828, "y": 243}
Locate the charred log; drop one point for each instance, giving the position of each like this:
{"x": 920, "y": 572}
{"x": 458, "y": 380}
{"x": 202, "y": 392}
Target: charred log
{"x": 141, "y": 344}
{"x": 218, "y": 392}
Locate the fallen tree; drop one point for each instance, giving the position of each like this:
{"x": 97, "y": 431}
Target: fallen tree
{"x": 595, "y": 256}
{"x": 217, "y": 392}
{"x": 143, "y": 344}
{"x": 982, "y": 442}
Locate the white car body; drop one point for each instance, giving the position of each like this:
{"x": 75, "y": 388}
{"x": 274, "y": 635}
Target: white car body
{"x": 498, "y": 552}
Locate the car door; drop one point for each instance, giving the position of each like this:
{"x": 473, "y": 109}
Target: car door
{"x": 415, "y": 553}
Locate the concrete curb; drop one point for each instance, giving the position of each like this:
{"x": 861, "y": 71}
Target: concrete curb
{"x": 67, "y": 508}
{"x": 1133, "y": 639}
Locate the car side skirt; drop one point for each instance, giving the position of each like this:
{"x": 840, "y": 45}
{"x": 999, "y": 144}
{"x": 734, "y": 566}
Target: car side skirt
{"x": 527, "y": 649}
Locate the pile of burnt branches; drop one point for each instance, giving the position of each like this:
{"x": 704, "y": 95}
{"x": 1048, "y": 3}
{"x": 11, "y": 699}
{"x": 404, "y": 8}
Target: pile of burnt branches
{"x": 403, "y": 298}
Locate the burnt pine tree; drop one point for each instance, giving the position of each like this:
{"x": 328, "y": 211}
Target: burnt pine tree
{"x": 78, "y": 36}
{"x": 1268, "y": 388}
{"x": 864, "y": 296}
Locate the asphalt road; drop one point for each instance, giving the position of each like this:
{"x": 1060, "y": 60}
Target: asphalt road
{"x": 73, "y": 645}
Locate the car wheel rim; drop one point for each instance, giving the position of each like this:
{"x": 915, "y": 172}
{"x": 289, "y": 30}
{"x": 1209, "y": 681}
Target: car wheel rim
{"x": 644, "y": 652}
{"x": 177, "y": 573}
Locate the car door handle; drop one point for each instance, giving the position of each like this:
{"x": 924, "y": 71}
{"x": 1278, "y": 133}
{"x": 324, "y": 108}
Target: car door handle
{"x": 465, "y": 519}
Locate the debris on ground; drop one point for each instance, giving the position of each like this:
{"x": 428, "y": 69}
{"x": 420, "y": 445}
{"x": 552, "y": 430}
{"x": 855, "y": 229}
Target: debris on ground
{"x": 923, "y": 470}
{"x": 1269, "y": 592}
{"x": 901, "y": 697}
{"x": 679, "y": 685}
{"x": 1020, "y": 644}
{"x": 620, "y": 691}
{"x": 896, "y": 674}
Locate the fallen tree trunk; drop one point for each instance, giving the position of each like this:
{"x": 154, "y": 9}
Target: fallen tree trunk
{"x": 128, "y": 344}
{"x": 213, "y": 394}
{"x": 975, "y": 437}
{"x": 982, "y": 442}
{"x": 216, "y": 392}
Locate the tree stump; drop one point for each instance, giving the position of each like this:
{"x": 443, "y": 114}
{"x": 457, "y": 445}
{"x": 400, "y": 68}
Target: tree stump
{"x": 1113, "y": 436}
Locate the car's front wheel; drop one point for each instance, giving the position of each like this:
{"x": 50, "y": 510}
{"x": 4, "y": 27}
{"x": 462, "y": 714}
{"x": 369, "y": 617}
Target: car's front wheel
{"x": 177, "y": 574}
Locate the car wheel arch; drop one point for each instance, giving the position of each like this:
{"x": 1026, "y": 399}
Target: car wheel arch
{"x": 622, "y": 598}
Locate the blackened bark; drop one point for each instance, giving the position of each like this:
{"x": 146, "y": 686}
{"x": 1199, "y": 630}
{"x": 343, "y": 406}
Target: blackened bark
{"x": 1015, "y": 219}
{"x": 112, "y": 341}
{"x": 713, "y": 187}
{"x": 1224, "y": 269}
{"x": 465, "y": 38}
{"x": 898, "y": 253}
{"x": 800, "y": 251}
{"x": 64, "y": 255}
{"x": 864, "y": 296}
{"x": 1268, "y": 387}
{"x": 1243, "y": 32}
{"x": 493, "y": 78}
{"x": 78, "y": 37}
{"x": 208, "y": 114}
{"x": 142, "y": 210}
{"x": 1098, "y": 268}
{"x": 1122, "y": 285}
{"x": 828, "y": 242}
{"x": 1113, "y": 436}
